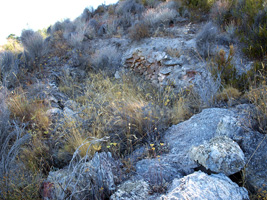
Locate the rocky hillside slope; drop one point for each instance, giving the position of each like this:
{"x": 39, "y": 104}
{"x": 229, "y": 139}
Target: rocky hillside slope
{"x": 137, "y": 100}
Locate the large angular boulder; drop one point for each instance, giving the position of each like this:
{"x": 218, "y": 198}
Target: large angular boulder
{"x": 220, "y": 154}
{"x": 235, "y": 124}
{"x": 200, "y": 186}
{"x": 193, "y": 132}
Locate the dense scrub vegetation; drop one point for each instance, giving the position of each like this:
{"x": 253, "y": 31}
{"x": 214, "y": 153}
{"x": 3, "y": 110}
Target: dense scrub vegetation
{"x": 130, "y": 112}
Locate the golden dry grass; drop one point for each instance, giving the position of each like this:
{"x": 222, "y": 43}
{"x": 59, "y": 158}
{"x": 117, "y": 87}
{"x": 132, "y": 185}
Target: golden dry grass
{"x": 258, "y": 96}
{"x": 28, "y": 111}
{"x": 228, "y": 93}
{"x": 129, "y": 111}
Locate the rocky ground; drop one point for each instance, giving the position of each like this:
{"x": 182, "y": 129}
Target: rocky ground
{"x": 216, "y": 153}
{"x": 201, "y": 152}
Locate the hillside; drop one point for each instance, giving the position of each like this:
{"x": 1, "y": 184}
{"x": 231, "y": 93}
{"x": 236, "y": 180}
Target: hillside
{"x": 143, "y": 99}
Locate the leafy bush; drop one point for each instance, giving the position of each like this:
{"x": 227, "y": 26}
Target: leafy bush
{"x": 101, "y": 9}
{"x": 139, "y": 31}
{"x": 65, "y": 25}
{"x": 125, "y": 22}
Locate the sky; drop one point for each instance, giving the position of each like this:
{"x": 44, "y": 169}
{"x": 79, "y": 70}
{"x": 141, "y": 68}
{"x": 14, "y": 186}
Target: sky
{"x": 16, "y": 15}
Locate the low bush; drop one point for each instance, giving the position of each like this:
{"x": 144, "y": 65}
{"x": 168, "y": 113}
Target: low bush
{"x": 206, "y": 39}
{"x": 15, "y": 183}
{"x": 34, "y": 47}
{"x": 108, "y": 59}
{"x": 221, "y": 11}
{"x": 151, "y": 3}
{"x": 9, "y": 69}
{"x": 127, "y": 11}
{"x": 139, "y": 31}
{"x": 154, "y": 17}
{"x": 205, "y": 90}
{"x": 129, "y": 6}
{"x": 7, "y": 61}
{"x": 58, "y": 44}
{"x": 87, "y": 14}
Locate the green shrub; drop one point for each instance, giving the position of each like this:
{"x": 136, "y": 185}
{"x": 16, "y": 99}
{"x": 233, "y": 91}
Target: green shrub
{"x": 222, "y": 67}
{"x": 250, "y": 17}
{"x": 256, "y": 41}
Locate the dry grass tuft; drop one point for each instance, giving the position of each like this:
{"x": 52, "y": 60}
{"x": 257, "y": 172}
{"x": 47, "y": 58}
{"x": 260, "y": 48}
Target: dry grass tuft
{"x": 258, "y": 96}
{"x": 228, "y": 93}
{"x": 129, "y": 111}
{"x": 28, "y": 111}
